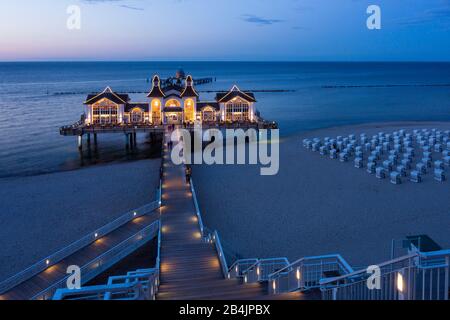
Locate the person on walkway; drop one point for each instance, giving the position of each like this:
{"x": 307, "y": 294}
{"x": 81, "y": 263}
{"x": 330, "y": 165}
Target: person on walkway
{"x": 188, "y": 174}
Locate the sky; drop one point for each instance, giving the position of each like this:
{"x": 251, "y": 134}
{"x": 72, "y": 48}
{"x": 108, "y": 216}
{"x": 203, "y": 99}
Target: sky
{"x": 256, "y": 30}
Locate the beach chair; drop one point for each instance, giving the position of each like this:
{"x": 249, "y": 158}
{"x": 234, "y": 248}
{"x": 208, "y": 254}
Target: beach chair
{"x": 333, "y": 154}
{"x": 379, "y": 149}
{"x": 323, "y": 150}
{"x": 410, "y": 150}
{"x": 426, "y": 148}
{"x": 309, "y": 145}
{"x": 358, "y": 149}
{"x": 428, "y": 154}
{"x": 380, "y": 173}
{"x": 371, "y": 167}
{"x": 375, "y": 154}
{"x": 388, "y": 137}
{"x": 387, "y": 164}
{"x": 386, "y": 146}
{"x": 439, "y": 164}
{"x": 393, "y": 159}
{"x": 395, "y": 177}
{"x": 415, "y": 176}
{"x": 394, "y": 153}
{"x": 359, "y": 163}
{"x": 426, "y": 161}
{"x": 368, "y": 147}
{"x": 406, "y": 163}
{"x": 398, "y": 147}
{"x": 439, "y": 175}
{"x": 407, "y": 144}
{"x": 305, "y": 142}
{"x": 372, "y": 159}
{"x": 432, "y": 141}
{"x": 343, "y": 157}
{"x": 407, "y": 156}
{"x": 421, "y": 167}
{"x": 315, "y": 147}
{"x": 359, "y": 154}
{"x": 447, "y": 160}
{"x": 445, "y": 153}
{"x": 448, "y": 145}
{"x": 401, "y": 170}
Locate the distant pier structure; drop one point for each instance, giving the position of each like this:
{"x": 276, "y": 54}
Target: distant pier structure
{"x": 169, "y": 102}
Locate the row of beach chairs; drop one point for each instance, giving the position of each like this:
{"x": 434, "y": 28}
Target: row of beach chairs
{"x": 399, "y": 148}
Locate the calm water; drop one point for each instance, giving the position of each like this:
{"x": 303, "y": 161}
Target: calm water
{"x": 37, "y": 98}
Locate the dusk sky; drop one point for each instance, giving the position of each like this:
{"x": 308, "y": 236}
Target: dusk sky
{"x": 224, "y": 30}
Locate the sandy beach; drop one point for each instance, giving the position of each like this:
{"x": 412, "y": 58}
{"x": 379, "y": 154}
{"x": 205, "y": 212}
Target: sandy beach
{"x": 316, "y": 205}
{"x": 42, "y": 214}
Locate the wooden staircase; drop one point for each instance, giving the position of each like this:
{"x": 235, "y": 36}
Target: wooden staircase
{"x": 190, "y": 268}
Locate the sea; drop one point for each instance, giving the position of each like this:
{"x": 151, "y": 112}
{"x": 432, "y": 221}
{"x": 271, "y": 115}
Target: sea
{"x": 37, "y": 98}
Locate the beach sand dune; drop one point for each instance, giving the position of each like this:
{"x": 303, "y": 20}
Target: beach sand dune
{"x": 317, "y": 206}
{"x": 41, "y": 214}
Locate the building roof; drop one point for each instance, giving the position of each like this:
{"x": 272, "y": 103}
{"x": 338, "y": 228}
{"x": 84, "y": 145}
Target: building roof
{"x": 234, "y": 93}
{"x": 189, "y": 90}
{"x": 109, "y": 94}
{"x": 203, "y": 104}
{"x": 142, "y": 105}
{"x": 156, "y": 91}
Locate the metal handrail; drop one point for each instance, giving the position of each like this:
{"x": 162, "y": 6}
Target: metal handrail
{"x": 74, "y": 247}
{"x": 306, "y": 273}
{"x": 424, "y": 275}
{"x": 197, "y": 209}
{"x": 323, "y": 257}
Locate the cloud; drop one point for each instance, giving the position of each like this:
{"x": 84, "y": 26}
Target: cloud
{"x": 250, "y": 18}
{"x": 439, "y": 14}
{"x": 125, "y": 6}
{"x": 131, "y": 7}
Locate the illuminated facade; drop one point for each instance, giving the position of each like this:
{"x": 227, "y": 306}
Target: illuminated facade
{"x": 170, "y": 104}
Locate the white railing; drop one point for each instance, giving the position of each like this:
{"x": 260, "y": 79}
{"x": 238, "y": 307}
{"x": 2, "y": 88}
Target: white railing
{"x": 56, "y": 257}
{"x": 209, "y": 236}
{"x": 306, "y": 273}
{"x": 136, "y": 285}
{"x": 197, "y": 210}
{"x": 262, "y": 269}
{"x": 417, "y": 276}
{"x": 104, "y": 261}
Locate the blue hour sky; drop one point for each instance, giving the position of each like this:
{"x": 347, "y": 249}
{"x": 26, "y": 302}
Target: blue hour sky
{"x": 311, "y": 30}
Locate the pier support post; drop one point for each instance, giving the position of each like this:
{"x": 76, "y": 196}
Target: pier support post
{"x": 127, "y": 140}
{"x": 89, "y": 139}
{"x": 135, "y": 139}
{"x": 95, "y": 138}
{"x": 80, "y": 142}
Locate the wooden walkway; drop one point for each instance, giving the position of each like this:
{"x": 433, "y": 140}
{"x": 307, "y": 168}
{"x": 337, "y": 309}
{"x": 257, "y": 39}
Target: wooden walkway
{"x": 55, "y": 273}
{"x": 190, "y": 268}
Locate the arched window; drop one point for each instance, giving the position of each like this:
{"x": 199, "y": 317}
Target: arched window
{"x": 173, "y": 103}
{"x": 137, "y": 115}
{"x": 189, "y": 107}
{"x": 156, "y": 111}
{"x": 208, "y": 114}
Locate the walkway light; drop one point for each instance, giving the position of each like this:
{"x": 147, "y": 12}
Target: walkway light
{"x": 96, "y": 235}
{"x": 47, "y": 262}
{"x": 245, "y": 279}
{"x": 135, "y": 214}
{"x": 400, "y": 282}
{"x": 274, "y": 285}
{"x": 298, "y": 274}
{"x": 257, "y": 271}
